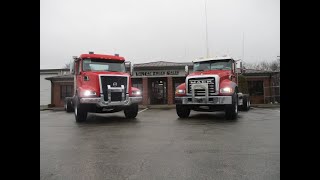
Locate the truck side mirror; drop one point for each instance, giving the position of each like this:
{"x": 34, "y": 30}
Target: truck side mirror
{"x": 72, "y": 68}
{"x": 186, "y": 69}
{"x": 129, "y": 68}
{"x": 238, "y": 67}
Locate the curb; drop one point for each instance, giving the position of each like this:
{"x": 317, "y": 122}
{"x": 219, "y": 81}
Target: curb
{"x": 165, "y": 107}
{"x": 265, "y": 106}
{"x": 52, "y": 109}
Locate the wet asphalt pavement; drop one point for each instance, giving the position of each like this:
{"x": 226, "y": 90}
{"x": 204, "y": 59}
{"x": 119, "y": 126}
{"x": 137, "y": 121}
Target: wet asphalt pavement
{"x": 159, "y": 145}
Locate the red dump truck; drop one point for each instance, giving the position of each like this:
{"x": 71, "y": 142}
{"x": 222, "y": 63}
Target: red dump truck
{"x": 211, "y": 87}
{"x": 102, "y": 85}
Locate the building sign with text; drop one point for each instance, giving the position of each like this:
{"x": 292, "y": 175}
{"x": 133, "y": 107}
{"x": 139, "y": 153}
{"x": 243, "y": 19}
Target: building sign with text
{"x": 159, "y": 73}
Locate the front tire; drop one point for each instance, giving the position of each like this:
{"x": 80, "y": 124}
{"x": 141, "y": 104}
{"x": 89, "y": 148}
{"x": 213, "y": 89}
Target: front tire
{"x": 232, "y": 109}
{"x": 131, "y": 111}
{"x": 80, "y": 111}
{"x": 182, "y": 111}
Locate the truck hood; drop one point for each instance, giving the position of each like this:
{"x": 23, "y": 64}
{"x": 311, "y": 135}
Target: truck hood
{"x": 220, "y": 73}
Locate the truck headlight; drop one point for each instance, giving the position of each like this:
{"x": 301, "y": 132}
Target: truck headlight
{"x": 226, "y": 90}
{"x": 136, "y": 93}
{"x": 180, "y": 91}
{"x": 89, "y": 93}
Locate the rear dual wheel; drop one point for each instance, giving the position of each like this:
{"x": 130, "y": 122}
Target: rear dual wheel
{"x": 246, "y": 103}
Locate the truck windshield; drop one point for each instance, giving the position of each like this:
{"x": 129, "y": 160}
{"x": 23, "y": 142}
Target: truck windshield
{"x": 103, "y": 65}
{"x": 213, "y": 65}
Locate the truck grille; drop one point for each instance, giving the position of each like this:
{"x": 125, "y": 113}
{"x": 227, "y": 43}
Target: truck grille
{"x": 113, "y": 81}
{"x": 116, "y": 96}
{"x": 201, "y": 92}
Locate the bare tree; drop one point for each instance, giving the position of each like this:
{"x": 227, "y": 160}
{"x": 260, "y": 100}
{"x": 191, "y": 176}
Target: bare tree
{"x": 264, "y": 65}
{"x": 66, "y": 66}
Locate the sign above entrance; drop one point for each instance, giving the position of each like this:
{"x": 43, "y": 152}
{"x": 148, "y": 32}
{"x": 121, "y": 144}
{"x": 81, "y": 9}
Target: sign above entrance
{"x": 159, "y": 73}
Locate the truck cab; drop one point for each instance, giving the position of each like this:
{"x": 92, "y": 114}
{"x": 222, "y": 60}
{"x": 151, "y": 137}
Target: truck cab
{"x": 211, "y": 87}
{"x": 102, "y": 85}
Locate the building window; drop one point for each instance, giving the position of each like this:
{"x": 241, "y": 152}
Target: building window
{"x": 65, "y": 91}
{"x": 255, "y": 88}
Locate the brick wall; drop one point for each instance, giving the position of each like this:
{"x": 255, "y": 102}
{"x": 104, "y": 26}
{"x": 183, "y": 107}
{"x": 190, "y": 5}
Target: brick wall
{"x": 145, "y": 93}
{"x": 266, "y": 83}
{"x": 170, "y": 90}
{"x": 56, "y": 93}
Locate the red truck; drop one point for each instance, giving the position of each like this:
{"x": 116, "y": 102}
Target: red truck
{"x": 211, "y": 87}
{"x": 102, "y": 85}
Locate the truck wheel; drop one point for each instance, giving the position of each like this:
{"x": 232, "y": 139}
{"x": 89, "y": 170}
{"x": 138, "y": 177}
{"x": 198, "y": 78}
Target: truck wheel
{"x": 246, "y": 103}
{"x": 80, "y": 112}
{"x": 232, "y": 109}
{"x": 131, "y": 111}
{"x": 68, "y": 106}
{"x": 182, "y": 111}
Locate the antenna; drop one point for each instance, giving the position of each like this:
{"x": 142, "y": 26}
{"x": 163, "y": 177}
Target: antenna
{"x": 205, "y": 9}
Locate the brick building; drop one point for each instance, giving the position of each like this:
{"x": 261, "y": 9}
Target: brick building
{"x": 263, "y": 86}
{"x": 158, "y": 80}
{"x": 45, "y": 86}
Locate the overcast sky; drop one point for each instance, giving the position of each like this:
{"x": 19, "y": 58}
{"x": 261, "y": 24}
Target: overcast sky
{"x": 158, "y": 30}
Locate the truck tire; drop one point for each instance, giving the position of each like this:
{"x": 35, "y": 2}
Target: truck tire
{"x": 232, "y": 109}
{"x": 68, "y": 106}
{"x": 182, "y": 111}
{"x": 131, "y": 111}
{"x": 246, "y": 103}
{"x": 80, "y": 111}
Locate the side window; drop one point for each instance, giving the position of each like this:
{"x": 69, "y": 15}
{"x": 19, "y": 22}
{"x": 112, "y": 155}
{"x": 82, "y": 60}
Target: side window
{"x": 255, "y": 88}
{"x": 65, "y": 91}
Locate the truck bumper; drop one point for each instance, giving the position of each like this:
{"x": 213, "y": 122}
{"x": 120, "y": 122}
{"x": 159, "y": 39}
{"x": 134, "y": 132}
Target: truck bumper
{"x": 210, "y": 100}
{"x": 99, "y": 101}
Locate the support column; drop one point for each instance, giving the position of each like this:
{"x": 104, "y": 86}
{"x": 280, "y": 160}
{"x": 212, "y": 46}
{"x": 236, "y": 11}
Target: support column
{"x": 170, "y": 90}
{"x": 145, "y": 91}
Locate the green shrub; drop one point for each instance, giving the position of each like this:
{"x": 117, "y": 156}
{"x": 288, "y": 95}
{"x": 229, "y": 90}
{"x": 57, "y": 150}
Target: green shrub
{"x": 243, "y": 84}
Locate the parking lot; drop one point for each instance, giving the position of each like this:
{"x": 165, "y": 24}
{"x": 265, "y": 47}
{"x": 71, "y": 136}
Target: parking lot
{"x": 159, "y": 145}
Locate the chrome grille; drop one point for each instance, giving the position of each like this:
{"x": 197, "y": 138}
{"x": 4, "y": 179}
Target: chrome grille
{"x": 201, "y": 92}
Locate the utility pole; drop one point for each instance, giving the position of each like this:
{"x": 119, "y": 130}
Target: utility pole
{"x": 207, "y": 44}
{"x": 242, "y": 46}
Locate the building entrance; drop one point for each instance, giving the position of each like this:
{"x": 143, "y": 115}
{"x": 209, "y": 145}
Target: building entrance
{"x": 158, "y": 90}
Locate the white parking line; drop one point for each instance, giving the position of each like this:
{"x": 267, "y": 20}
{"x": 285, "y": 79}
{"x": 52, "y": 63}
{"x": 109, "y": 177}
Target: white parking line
{"x": 143, "y": 110}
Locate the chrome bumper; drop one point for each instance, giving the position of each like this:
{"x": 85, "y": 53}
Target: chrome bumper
{"x": 211, "y": 100}
{"x": 125, "y": 99}
{"x": 101, "y": 103}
